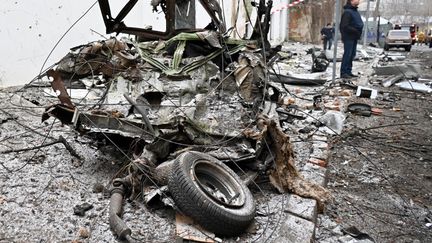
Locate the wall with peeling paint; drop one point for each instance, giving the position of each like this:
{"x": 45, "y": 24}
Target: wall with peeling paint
{"x": 307, "y": 20}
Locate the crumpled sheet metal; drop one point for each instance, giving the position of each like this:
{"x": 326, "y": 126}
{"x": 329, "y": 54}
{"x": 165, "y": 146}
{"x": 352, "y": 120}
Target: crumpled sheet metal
{"x": 203, "y": 107}
{"x": 106, "y": 57}
{"x": 111, "y": 124}
{"x": 61, "y": 112}
{"x": 194, "y": 97}
{"x": 59, "y": 88}
{"x": 288, "y": 79}
{"x": 391, "y": 80}
{"x": 250, "y": 76}
{"x": 415, "y": 86}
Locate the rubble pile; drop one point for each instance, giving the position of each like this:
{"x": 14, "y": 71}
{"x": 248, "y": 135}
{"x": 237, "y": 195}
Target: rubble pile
{"x": 159, "y": 105}
{"x": 202, "y": 121}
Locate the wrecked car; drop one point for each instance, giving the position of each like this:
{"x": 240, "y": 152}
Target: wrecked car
{"x": 191, "y": 109}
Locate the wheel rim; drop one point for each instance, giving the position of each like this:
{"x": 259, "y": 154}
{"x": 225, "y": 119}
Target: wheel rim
{"x": 217, "y": 183}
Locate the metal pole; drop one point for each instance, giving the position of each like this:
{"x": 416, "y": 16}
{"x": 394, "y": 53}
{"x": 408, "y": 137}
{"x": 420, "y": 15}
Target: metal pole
{"x": 378, "y": 28}
{"x": 288, "y": 23}
{"x": 428, "y": 18}
{"x": 336, "y": 21}
{"x": 366, "y": 25}
{"x": 283, "y": 21}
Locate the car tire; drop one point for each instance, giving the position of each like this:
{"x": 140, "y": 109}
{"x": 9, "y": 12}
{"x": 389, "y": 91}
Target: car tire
{"x": 386, "y": 47}
{"x": 209, "y": 192}
{"x": 408, "y": 48}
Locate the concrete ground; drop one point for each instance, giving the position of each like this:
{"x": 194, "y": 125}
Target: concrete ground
{"x": 41, "y": 188}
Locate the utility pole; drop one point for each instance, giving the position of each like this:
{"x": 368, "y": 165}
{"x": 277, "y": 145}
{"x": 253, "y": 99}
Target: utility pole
{"x": 376, "y": 10}
{"x": 283, "y": 20}
{"x": 288, "y": 24}
{"x": 376, "y": 14}
{"x": 378, "y": 29}
{"x": 366, "y": 25}
{"x": 428, "y": 17}
{"x": 336, "y": 37}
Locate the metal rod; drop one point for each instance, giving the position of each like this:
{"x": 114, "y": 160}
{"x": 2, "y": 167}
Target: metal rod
{"x": 378, "y": 28}
{"x": 143, "y": 113}
{"x": 336, "y": 20}
{"x": 288, "y": 23}
{"x": 366, "y": 25}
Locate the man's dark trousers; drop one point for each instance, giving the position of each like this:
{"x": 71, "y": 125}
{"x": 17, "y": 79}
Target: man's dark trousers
{"x": 350, "y": 49}
{"x": 327, "y": 43}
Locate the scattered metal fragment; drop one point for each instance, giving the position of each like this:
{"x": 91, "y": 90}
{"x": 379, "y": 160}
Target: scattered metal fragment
{"x": 286, "y": 79}
{"x": 289, "y": 115}
{"x": 82, "y": 208}
{"x": 415, "y": 86}
{"x": 392, "y": 80}
{"x": 59, "y": 111}
{"x": 119, "y": 191}
{"x": 58, "y": 86}
{"x": 144, "y": 113}
{"x": 158, "y": 193}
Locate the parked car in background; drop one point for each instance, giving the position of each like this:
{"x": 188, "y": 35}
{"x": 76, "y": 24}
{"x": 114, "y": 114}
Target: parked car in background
{"x": 413, "y": 29}
{"x": 397, "y": 39}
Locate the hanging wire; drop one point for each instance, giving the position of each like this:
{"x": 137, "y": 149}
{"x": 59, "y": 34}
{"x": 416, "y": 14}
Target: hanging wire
{"x": 217, "y": 143}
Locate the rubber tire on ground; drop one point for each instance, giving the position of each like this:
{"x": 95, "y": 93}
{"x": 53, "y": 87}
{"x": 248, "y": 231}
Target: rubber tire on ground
{"x": 408, "y": 48}
{"x": 205, "y": 210}
{"x": 386, "y": 47}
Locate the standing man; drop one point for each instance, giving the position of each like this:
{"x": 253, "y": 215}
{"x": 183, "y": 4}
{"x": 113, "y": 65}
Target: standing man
{"x": 327, "y": 36}
{"x": 351, "y": 27}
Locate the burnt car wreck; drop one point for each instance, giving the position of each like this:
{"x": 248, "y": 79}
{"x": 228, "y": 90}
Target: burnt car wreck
{"x": 191, "y": 109}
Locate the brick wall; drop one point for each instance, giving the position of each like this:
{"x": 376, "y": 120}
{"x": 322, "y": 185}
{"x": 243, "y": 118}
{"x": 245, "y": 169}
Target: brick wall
{"x": 307, "y": 19}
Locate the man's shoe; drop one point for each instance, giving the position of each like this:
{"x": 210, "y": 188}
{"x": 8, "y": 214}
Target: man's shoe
{"x": 353, "y": 75}
{"x": 346, "y": 76}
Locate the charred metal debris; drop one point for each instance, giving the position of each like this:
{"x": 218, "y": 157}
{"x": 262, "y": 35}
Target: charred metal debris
{"x": 196, "y": 112}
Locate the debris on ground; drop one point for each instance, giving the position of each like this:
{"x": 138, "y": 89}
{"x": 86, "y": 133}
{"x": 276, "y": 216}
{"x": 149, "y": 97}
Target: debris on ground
{"x": 195, "y": 133}
{"x": 166, "y": 102}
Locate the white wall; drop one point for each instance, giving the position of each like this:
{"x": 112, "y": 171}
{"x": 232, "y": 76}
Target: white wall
{"x": 279, "y": 22}
{"x": 29, "y": 30}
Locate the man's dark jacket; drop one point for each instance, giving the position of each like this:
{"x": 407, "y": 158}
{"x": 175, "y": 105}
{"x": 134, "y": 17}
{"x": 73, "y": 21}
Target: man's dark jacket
{"x": 351, "y": 24}
{"x": 328, "y": 32}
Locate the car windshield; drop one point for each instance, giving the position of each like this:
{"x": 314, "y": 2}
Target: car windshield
{"x": 400, "y": 33}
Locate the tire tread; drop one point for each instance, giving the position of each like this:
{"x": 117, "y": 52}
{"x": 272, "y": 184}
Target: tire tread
{"x": 192, "y": 202}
